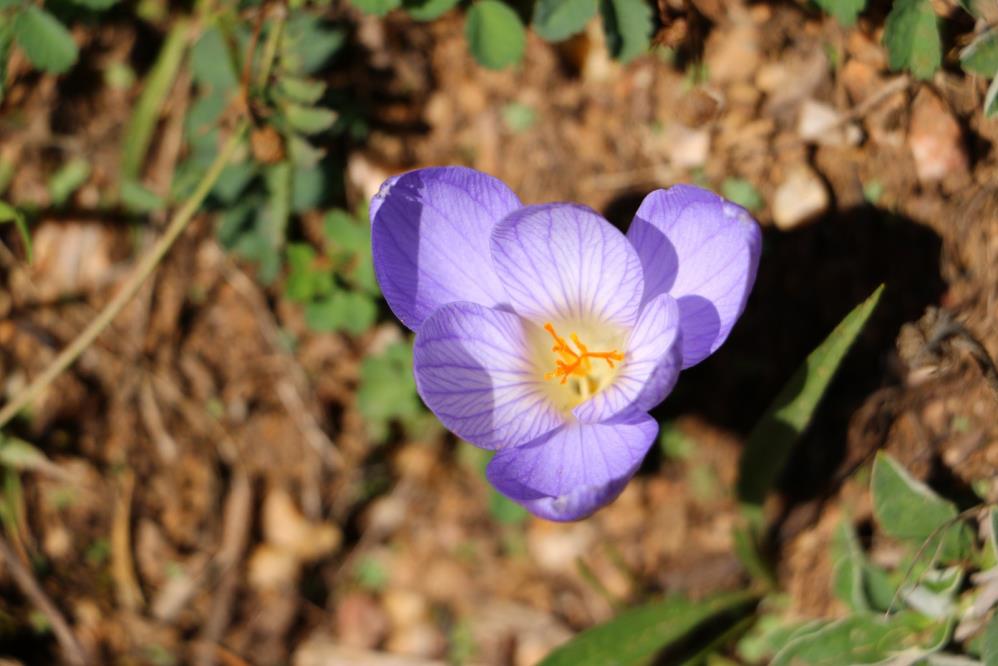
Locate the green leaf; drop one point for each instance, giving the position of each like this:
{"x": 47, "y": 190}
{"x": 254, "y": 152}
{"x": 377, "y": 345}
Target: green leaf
{"x": 302, "y": 153}
{"x": 990, "y": 651}
{"x": 155, "y": 89}
{"x": 904, "y": 507}
{"x": 555, "y": 20}
{"x": 495, "y": 34}
{"x": 344, "y": 234}
{"x": 844, "y": 11}
{"x": 10, "y": 214}
{"x": 742, "y": 193}
{"x": 69, "y": 178}
{"x": 376, "y": 7}
{"x": 256, "y": 246}
{"x": 428, "y": 10}
{"x": 993, "y": 534}
{"x": 306, "y": 280}
{"x": 6, "y": 42}
{"x": 878, "y": 587}
{"x": 348, "y": 243}
{"x": 342, "y": 311}
{"x": 768, "y": 635}
{"x": 98, "y": 5}
{"x": 387, "y": 388}
{"x": 46, "y": 42}
{"x": 278, "y": 178}
{"x": 518, "y": 117}
{"x": 504, "y": 510}
{"x": 933, "y": 596}
{"x": 773, "y": 437}
{"x": 308, "y": 43}
{"x": 911, "y": 36}
{"x": 847, "y": 579}
{"x": 309, "y": 119}
{"x": 301, "y": 91}
{"x": 865, "y": 639}
{"x": 233, "y": 181}
{"x": 211, "y": 62}
{"x": 20, "y": 455}
{"x": 628, "y": 27}
{"x": 638, "y": 634}
{"x": 981, "y": 55}
{"x": 991, "y": 99}
{"x": 202, "y": 116}
{"x": 907, "y": 509}
{"x": 136, "y": 198}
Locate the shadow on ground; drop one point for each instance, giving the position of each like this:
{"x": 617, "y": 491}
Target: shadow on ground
{"x": 809, "y": 279}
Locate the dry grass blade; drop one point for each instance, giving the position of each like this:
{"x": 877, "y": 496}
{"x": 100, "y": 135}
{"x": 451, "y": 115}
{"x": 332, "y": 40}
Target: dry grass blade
{"x": 71, "y": 648}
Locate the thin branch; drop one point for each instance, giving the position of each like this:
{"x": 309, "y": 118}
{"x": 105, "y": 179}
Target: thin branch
{"x": 71, "y": 648}
{"x": 937, "y": 532}
{"x": 142, "y": 271}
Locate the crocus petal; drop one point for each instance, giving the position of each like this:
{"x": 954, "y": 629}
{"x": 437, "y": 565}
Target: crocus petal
{"x": 650, "y": 368}
{"x": 473, "y": 371}
{"x": 565, "y": 262}
{"x": 575, "y": 470}
{"x": 430, "y": 233}
{"x": 704, "y": 251}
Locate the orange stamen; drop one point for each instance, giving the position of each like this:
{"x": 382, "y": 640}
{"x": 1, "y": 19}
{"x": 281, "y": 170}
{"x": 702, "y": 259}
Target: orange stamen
{"x": 575, "y": 362}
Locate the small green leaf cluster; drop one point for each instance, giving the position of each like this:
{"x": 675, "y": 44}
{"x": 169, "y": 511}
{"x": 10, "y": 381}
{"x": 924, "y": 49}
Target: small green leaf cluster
{"x": 337, "y": 287}
{"x": 911, "y": 33}
{"x": 387, "y": 393}
{"x": 914, "y": 42}
{"x": 935, "y": 605}
{"x": 496, "y": 31}
{"x": 41, "y": 34}
{"x": 286, "y": 169}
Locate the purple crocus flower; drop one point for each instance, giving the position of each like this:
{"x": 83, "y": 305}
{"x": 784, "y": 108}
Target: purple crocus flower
{"x": 545, "y": 334}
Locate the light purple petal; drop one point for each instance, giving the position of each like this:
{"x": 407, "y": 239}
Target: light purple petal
{"x": 704, "y": 251}
{"x": 565, "y": 262}
{"x": 650, "y": 367}
{"x": 571, "y": 472}
{"x": 473, "y": 370}
{"x": 430, "y": 232}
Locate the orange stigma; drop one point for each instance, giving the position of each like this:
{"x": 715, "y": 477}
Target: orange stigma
{"x": 575, "y": 362}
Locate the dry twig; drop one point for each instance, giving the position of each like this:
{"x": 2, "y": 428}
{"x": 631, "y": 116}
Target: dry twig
{"x": 71, "y": 648}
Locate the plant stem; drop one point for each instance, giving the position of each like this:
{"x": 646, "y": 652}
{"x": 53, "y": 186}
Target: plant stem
{"x": 139, "y": 133}
{"x": 142, "y": 271}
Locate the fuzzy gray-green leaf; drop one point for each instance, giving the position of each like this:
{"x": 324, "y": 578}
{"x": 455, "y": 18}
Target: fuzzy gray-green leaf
{"x": 909, "y": 510}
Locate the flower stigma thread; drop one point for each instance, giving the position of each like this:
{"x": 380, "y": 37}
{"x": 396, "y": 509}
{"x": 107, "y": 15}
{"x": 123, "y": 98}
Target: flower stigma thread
{"x": 575, "y": 362}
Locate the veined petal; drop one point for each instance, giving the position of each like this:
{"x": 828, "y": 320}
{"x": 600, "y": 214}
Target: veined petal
{"x": 568, "y": 474}
{"x": 430, "y": 232}
{"x": 704, "y": 251}
{"x": 650, "y": 368}
{"x": 473, "y": 370}
{"x": 564, "y": 262}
